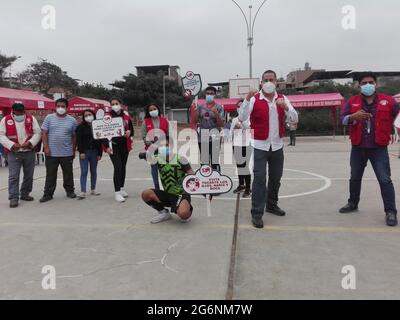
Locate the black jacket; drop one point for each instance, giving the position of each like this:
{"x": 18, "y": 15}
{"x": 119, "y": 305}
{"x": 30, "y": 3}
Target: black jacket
{"x": 85, "y": 140}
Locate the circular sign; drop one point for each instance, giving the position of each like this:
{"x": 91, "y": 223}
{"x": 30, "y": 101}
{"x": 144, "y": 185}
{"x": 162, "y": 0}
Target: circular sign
{"x": 190, "y": 75}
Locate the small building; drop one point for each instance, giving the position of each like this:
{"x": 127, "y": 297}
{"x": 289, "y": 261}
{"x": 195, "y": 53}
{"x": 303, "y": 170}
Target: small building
{"x": 172, "y": 72}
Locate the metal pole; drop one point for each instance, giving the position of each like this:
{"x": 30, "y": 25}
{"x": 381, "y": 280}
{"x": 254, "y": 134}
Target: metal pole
{"x": 251, "y": 43}
{"x": 250, "y": 24}
{"x": 164, "y": 103}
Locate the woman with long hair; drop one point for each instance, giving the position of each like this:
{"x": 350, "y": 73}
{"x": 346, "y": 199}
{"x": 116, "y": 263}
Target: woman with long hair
{"x": 154, "y": 124}
{"x": 121, "y": 147}
{"x": 90, "y": 153}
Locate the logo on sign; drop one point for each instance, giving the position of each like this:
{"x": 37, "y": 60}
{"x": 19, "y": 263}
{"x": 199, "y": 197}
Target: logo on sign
{"x": 192, "y": 83}
{"x": 107, "y": 119}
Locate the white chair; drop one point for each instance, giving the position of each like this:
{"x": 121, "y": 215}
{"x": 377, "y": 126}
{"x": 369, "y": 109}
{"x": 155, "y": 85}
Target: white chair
{"x": 40, "y": 154}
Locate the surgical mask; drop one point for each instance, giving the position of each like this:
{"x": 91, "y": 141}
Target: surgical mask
{"x": 20, "y": 118}
{"x": 368, "y": 89}
{"x": 154, "y": 114}
{"x": 209, "y": 99}
{"x": 89, "y": 119}
{"x": 61, "y": 111}
{"x": 163, "y": 152}
{"x": 116, "y": 108}
{"x": 269, "y": 87}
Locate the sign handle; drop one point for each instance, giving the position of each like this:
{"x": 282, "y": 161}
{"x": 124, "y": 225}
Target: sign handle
{"x": 110, "y": 145}
{"x": 208, "y": 200}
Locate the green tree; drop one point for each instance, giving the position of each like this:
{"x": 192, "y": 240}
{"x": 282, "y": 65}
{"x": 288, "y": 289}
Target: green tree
{"x": 5, "y": 62}
{"x": 43, "y": 75}
{"x": 139, "y": 91}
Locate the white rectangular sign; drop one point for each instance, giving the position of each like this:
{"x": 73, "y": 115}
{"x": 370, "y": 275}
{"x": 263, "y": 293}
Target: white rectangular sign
{"x": 108, "y": 128}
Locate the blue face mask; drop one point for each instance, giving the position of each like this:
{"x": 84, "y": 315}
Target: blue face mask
{"x": 209, "y": 99}
{"x": 154, "y": 114}
{"x": 163, "y": 152}
{"x": 20, "y": 118}
{"x": 368, "y": 89}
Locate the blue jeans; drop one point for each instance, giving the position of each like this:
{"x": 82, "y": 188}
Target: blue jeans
{"x": 379, "y": 158}
{"x": 90, "y": 159}
{"x": 264, "y": 197}
{"x": 154, "y": 175}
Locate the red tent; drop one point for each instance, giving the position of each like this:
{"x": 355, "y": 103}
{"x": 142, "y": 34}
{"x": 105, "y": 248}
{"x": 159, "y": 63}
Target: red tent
{"x": 309, "y": 101}
{"x": 79, "y": 104}
{"x": 31, "y": 100}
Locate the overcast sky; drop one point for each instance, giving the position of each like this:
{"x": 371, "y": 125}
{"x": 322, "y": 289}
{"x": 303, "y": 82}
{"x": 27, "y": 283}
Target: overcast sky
{"x": 101, "y": 40}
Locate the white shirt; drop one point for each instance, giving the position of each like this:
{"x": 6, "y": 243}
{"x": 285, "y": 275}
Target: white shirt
{"x": 274, "y": 140}
{"x": 8, "y": 144}
{"x": 241, "y": 137}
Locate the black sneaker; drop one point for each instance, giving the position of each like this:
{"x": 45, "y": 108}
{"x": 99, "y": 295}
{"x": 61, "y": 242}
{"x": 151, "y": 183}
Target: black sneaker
{"x": 391, "y": 219}
{"x": 276, "y": 211}
{"x": 348, "y": 208}
{"x": 247, "y": 194}
{"x": 71, "y": 195}
{"x": 27, "y": 198}
{"x": 46, "y": 199}
{"x": 14, "y": 203}
{"x": 258, "y": 223}
{"x": 239, "y": 189}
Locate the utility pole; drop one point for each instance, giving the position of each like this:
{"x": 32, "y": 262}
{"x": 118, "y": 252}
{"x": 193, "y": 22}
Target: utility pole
{"x": 250, "y": 24}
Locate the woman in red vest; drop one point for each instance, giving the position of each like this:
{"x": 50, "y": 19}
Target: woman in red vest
{"x": 121, "y": 147}
{"x": 154, "y": 125}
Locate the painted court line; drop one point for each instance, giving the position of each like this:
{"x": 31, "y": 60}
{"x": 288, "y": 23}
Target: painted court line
{"x": 309, "y": 229}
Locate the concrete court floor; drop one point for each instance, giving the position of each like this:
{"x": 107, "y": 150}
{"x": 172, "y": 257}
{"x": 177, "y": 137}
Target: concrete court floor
{"x": 104, "y": 250}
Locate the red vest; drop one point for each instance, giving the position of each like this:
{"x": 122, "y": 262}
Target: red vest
{"x": 11, "y": 129}
{"x": 383, "y": 120}
{"x": 150, "y": 126}
{"x": 260, "y": 119}
{"x": 127, "y": 120}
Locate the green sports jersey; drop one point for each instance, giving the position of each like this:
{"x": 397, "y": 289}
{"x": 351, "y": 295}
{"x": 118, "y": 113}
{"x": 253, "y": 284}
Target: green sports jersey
{"x": 172, "y": 175}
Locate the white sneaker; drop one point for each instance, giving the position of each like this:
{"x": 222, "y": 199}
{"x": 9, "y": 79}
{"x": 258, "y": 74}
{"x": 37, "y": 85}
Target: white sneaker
{"x": 186, "y": 221}
{"x": 81, "y": 196}
{"x": 95, "y": 193}
{"x": 123, "y": 193}
{"x": 161, "y": 217}
{"x": 119, "y": 198}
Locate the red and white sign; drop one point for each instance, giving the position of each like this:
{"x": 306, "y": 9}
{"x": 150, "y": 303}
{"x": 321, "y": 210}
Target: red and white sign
{"x": 192, "y": 84}
{"x": 108, "y": 128}
{"x": 207, "y": 181}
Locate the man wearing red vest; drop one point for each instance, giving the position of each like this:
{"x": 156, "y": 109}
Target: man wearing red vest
{"x": 19, "y": 134}
{"x": 370, "y": 117}
{"x": 268, "y": 112}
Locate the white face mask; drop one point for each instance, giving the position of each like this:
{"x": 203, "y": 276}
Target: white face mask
{"x": 89, "y": 119}
{"x": 117, "y": 108}
{"x": 269, "y": 87}
{"x": 61, "y": 111}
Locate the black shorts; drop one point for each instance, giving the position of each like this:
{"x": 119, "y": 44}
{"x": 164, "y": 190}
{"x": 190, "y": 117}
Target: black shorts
{"x": 172, "y": 201}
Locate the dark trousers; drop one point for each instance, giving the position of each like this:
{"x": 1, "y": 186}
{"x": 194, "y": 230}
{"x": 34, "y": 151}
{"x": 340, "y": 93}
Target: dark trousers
{"x": 262, "y": 196}
{"x": 119, "y": 159}
{"x": 209, "y": 154}
{"x": 379, "y": 158}
{"x": 16, "y": 161}
{"x": 292, "y": 137}
{"x": 242, "y": 157}
{"x": 90, "y": 160}
{"x": 52, "y": 164}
